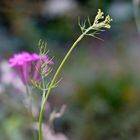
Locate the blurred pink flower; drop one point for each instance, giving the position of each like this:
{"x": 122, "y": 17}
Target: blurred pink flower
{"x": 27, "y": 65}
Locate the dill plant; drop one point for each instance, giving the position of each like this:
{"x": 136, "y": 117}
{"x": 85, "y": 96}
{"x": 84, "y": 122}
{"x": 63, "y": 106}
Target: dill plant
{"x": 88, "y": 28}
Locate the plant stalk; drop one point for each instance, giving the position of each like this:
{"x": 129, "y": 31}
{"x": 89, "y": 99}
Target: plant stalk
{"x": 55, "y": 77}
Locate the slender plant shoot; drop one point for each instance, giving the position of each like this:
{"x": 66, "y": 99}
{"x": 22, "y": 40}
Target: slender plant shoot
{"x": 88, "y": 28}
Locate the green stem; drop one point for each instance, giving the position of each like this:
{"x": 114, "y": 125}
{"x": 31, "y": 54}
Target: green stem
{"x": 54, "y": 79}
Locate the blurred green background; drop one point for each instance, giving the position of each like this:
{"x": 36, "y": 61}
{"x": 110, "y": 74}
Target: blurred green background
{"x": 101, "y": 80}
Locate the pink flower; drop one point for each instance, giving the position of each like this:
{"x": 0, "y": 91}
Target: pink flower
{"x": 27, "y": 65}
